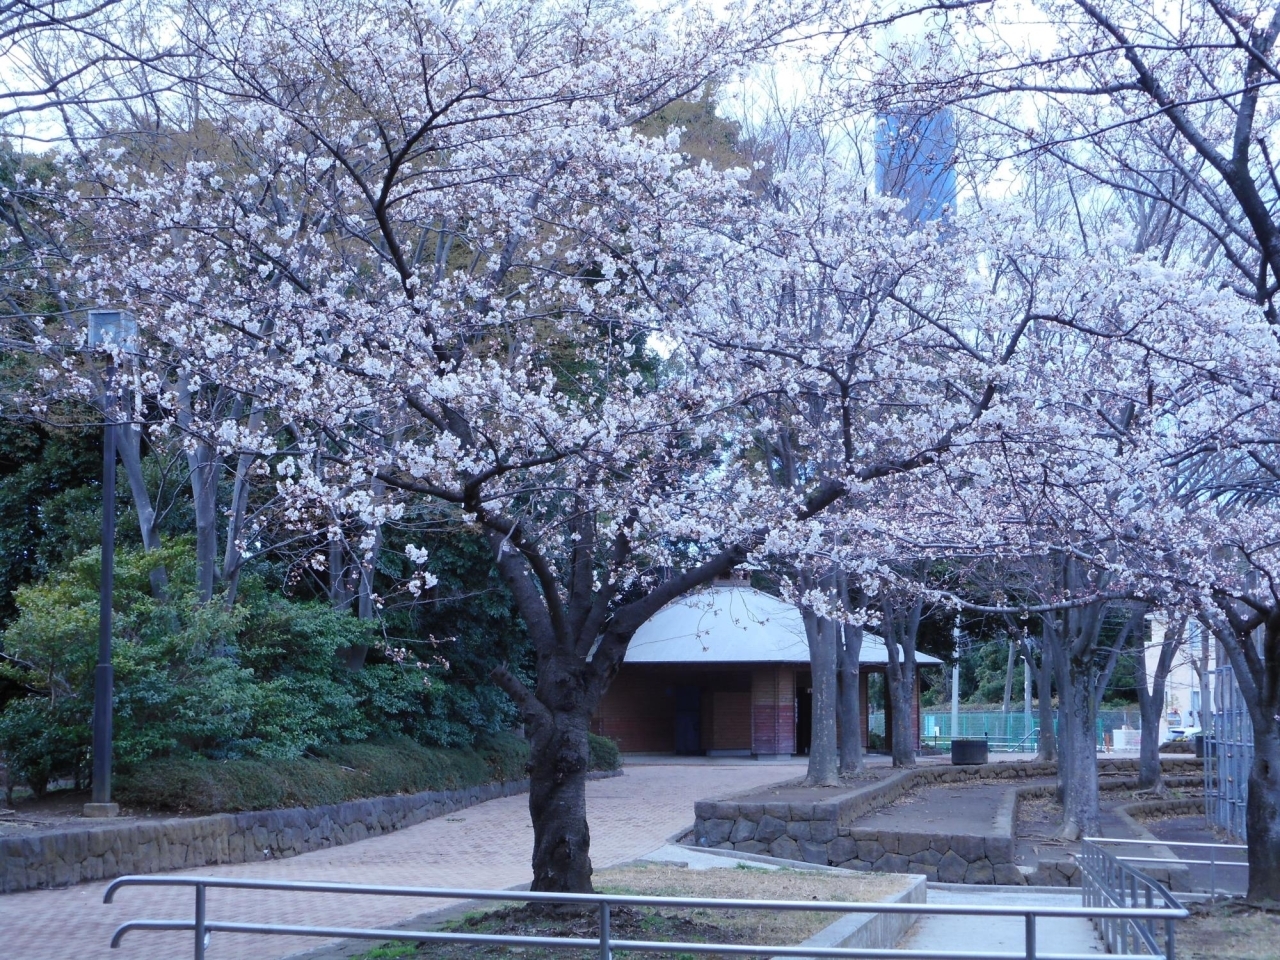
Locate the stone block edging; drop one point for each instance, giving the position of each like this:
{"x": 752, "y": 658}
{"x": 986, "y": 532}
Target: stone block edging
{"x": 872, "y": 931}
{"x": 64, "y": 857}
{"x": 1175, "y": 876}
{"x": 823, "y": 832}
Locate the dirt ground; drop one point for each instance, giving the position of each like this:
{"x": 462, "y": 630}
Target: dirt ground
{"x": 57, "y": 810}
{"x": 1228, "y": 930}
{"x": 770, "y": 928}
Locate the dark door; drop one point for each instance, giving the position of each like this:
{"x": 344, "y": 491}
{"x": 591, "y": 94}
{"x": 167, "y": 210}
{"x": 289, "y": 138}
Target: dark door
{"x": 688, "y": 721}
{"x": 804, "y": 714}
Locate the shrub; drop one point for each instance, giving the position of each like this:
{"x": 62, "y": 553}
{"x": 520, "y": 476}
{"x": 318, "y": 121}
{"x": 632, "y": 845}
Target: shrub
{"x": 604, "y": 753}
{"x": 335, "y": 774}
{"x": 261, "y": 680}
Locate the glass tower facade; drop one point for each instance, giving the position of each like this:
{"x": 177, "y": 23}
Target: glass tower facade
{"x": 915, "y": 162}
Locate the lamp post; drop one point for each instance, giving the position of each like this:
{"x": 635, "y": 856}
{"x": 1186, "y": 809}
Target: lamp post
{"x": 107, "y": 328}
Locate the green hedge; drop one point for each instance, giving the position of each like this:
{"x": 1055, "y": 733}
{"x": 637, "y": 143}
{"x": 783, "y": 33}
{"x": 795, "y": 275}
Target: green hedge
{"x": 334, "y": 774}
{"x": 604, "y": 753}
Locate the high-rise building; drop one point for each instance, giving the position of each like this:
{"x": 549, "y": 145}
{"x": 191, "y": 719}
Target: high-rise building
{"x": 915, "y": 161}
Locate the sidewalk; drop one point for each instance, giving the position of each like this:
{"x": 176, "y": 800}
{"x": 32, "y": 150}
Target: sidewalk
{"x": 486, "y": 846}
{"x": 1002, "y": 934}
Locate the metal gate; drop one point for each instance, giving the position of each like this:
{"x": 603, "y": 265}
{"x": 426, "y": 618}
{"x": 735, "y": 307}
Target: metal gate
{"x": 1228, "y": 757}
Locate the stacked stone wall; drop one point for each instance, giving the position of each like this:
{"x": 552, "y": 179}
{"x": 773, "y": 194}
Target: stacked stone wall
{"x": 65, "y": 857}
{"x": 824, "y": 832}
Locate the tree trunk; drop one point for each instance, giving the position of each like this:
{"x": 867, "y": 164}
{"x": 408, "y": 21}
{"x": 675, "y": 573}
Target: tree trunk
{"x": 1151, "y": 704}
{"x": 1046, "y": 742}
{"x": 1262, "y": 816}
{"x": 902, "y": 626}
{"x": 1149, "y": 776}
{"x": 203, "y": 465}
{"x": 1008, "y": 677}
{"x": 851, "y": 757}
{"x": 1080, "y": 796}
{"x": 1066, "y": 726}
{"x": 824, "y": 769}
{"x": 129, "y": 445}
{"x": 902, "y": 690}
{"x": 559, "y": 756}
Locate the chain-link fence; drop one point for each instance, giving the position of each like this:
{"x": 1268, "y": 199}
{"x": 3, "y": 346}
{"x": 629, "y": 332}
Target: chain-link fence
{"x": 1116, "y": 729}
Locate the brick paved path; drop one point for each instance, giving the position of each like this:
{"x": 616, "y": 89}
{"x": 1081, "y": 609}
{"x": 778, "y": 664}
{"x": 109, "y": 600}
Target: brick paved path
{"x": 485, "y": 846}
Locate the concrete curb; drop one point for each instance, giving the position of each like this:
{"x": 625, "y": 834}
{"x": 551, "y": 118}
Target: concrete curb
{"x": 873, "y": 931}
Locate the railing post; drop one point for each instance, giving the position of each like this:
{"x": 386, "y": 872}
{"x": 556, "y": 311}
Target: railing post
{"x": 200, "y": 915}
{"x": 1168, "y": 939}
{"x": 606, "y": 951}
{"x": 1213, "y": 881}
{"x": 1031, "y": 936}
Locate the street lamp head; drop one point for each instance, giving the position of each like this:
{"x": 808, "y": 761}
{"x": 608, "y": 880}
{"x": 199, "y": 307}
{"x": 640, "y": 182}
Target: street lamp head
{"x": 116, "y": 327}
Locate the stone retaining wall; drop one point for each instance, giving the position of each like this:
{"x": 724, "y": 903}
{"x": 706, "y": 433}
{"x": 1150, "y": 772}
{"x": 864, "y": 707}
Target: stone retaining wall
{"x": 150, "y": 846}
{"x": 824, "y": 832}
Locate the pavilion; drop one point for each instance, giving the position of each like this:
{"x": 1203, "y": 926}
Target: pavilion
{"x": 724, "y": 671}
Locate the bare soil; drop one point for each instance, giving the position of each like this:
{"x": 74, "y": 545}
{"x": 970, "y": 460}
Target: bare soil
{"x": 1229, "y": 930}
{"x": 769, "y": 928}
{"x": 59, "y": 810}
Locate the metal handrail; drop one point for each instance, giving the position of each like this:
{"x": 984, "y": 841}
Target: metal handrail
{"x": 202, "y": 926}
{"x": 1212, "y": 863}
{"x": 1108, "y": 881}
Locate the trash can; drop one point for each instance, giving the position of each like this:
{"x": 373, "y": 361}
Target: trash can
{"x": 968, "y": 752}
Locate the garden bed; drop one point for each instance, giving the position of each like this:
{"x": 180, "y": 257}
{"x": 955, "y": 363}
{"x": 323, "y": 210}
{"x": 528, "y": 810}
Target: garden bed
{"x": 769, "y": 928}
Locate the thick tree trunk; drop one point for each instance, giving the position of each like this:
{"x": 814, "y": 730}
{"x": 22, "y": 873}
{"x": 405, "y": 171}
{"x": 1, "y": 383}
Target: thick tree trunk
{"x": 901, "y": 691}
{"x": 851, "y": 755}
{"x": 824, "y": 769}
{"x": 1080, "y": 796}
{"x": 1262, "y": 816}
{"x": 559, "y": 757}
{"x": 1151, "y": 704}
{"x": 1149, "y": 776}
{"x": 902, "y": 625}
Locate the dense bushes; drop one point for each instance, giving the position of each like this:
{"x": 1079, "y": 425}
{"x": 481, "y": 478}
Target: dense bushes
{"x": 331, "y": 775}
{"x": 262, "y": 680}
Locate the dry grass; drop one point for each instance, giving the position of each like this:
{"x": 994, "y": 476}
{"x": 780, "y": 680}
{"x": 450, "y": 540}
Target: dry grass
{"x": 1229, "y": 930}
{"x": 770, "y": 928}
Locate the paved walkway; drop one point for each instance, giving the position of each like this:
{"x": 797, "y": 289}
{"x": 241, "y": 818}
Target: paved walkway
{"x": 1074, "y": 935}
{"x": 485, "y": 846}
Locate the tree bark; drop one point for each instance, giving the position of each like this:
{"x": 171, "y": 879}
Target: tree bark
{"x": 1262, "y": 816}
{"x": 129, "y": 445}
{"x": 852, "y": 762}
{"x": 902, "y": 627}
{"x": 1080, "y": 794}
{"x": 1151, "y": 704}
{"x": 1008, "y": 676}
{"x": 559, "y": 757}
{"x": 1047, "y": 742}
{"x": 203, "y": 466}
{"x": 824, "y": 762}
{"x": 1255, "y": 660}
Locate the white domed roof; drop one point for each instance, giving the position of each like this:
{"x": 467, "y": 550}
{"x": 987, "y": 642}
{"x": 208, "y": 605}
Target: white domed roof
{"x": 733, "y": 623}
